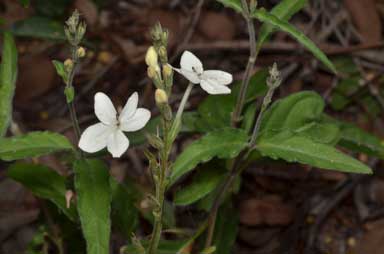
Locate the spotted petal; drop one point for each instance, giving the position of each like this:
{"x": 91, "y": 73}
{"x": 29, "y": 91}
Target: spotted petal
{"x": 191, "y": 63}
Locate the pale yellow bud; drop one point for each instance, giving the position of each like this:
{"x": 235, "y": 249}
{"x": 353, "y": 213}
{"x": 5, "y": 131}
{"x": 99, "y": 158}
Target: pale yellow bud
{"x": 151, "y": 58}
{"x": 161, "y": 96}
{"x": 167, "y": 70}
{"x": 152, "y": 72}
{"x": 80, "y": 52}
{"x": 68, "y": 197}
{"x": 68, "y": 64}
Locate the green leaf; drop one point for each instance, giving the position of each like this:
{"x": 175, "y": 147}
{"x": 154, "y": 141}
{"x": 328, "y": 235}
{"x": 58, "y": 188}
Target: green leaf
{"x": 60, "y": 70}
{"x": 125, "y": 215}
{"x": 94, "y": 197}
{"x": 292, "y": 113}
{"x": 44, "y": 183}
{"x": 39, "y": 27}
{"x": 205, "y": 181}
{"x": 24, "y": 3}
{"x": 271, "y": 19}
{"x": 224, "y": 144}
{"x": 33, "y": 144}
{"x": 234, "y": 4}
{"x": 284, "y": 11}
{"x": 8, "y": 73}
{"x": 358, "y": 140}
{"x": 293, "y": 148}
{"x": 226, "y": 229}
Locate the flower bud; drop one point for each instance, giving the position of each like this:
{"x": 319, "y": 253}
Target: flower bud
{"x": 151, "y": 58}
{"x": 68, "y": 197}
{"x": 152, "y": 72}
{"x": 163, "y": 54}
{"x": 167, "y": 70}
{"x": 161, "y": 96}
{"x": 80, "y": 52}
{"x": 68, "y": 64}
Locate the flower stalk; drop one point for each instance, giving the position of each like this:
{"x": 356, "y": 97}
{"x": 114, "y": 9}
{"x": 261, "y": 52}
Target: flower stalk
{"x": 236, "y": 115}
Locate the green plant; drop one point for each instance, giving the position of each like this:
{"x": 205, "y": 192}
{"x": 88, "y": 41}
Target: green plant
{"x": 233, "y": 135}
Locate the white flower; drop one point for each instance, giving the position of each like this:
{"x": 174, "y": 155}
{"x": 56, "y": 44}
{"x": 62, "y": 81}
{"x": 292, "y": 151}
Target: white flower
{"x": 109, "y": 132}
{"x": 212, "y": 81}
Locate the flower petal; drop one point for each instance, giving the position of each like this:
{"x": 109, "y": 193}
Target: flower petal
{"x": 95, "y": 138}
{"x": 220, "y": 77}
{"x": 137, "y": 121}
{"x": 118, "y": 143}
{"x": 214, "y": 88}
{"x": 190, "y": 75}
{"x": 104, "y": 109}
{"x": 130, "y": 107}
{"x": 190, "y": 62}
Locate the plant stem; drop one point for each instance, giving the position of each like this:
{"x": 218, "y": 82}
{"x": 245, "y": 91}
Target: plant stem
{"x": 184, "y": 101}
{"x": 235, "y": 170}
{"x": 251, "y": 62}
{"x": 256, "y": 129}
{"x": 71, "y": 105}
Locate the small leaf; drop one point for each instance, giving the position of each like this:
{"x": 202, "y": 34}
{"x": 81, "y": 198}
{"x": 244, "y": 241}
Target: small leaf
{"x": 293, "y": 148}
{"x": 264, "y": 16}
{"x": 69, "y": 92}
{"x": 39, "y": 27}
{"x": 60, "y": 70}
{"x": 205, "y": 181}
{"x": 8, "y": 73}
{"x": 284, "y": 11}
{"x": 94, "y": 197}
{"x": 33, "y": 144}
{"x": 234, "y": 4}
{"x": 44, "y": 183}
{"x": 224, "y": 144}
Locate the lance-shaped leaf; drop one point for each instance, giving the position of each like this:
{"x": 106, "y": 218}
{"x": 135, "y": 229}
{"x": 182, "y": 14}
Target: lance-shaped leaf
{"x": 294, "y": 148}
{"x": 44, "y": 182}
{"x": 33, "y": 144}
{"x": 284, "y": 11}
{"x": 8, "y": 73}
{"x": 224, "y": 144}
{"x": 94, "y": 196}
{"x": 264, "y": 16}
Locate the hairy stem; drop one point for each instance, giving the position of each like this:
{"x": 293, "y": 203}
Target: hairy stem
{"x": 236, "y": 116}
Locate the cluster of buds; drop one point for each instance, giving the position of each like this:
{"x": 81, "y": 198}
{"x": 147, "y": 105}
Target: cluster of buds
{"x": 159, "y": 71}
{"x": 75, "y": 29}
{"x": 273, "y": 81}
